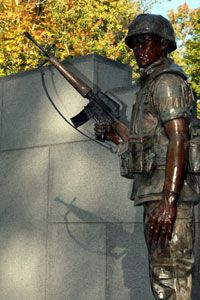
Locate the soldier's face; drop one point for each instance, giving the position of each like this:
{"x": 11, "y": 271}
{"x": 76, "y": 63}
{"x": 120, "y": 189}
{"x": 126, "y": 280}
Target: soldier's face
{"x": 147, "y": 49}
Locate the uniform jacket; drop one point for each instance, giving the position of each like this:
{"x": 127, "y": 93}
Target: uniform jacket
{"x": 163, "y": 95}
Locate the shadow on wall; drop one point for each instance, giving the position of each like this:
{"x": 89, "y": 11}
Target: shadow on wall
{"x": 125, "y": 248}
{"x": 124, "y": 251}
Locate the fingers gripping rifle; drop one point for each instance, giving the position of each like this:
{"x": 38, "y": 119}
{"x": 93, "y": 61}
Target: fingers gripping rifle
{"x": 101, "y": 108}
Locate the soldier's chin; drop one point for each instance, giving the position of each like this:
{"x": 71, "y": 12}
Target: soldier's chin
{"x": 142, "y": 63}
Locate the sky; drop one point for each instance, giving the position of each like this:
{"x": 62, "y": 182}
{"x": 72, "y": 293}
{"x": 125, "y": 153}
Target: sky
{"x": 162, "y": 7}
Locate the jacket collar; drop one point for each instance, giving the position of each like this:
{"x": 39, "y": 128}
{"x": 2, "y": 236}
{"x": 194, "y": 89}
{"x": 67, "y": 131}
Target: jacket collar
{"x": 153, "y": 67}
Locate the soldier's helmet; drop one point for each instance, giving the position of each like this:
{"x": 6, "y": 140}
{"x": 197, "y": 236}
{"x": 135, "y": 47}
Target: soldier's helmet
{"x": 152, "y": 24}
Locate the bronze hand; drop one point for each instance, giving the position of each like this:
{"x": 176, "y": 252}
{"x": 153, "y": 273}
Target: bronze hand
{"x": 162, "y": 220}
{"x": 112, "y": 132}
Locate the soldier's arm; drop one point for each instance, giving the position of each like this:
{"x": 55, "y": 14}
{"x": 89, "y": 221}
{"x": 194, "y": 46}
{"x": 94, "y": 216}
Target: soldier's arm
{"x": 162, "y": 221}
{"x": 172, "y": 104}
{"x": 176, "y": 160}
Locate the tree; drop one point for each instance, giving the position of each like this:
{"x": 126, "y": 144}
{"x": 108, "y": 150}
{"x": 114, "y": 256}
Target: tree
{"x": 186, "y": 23}
{"x": 76, "y": 27}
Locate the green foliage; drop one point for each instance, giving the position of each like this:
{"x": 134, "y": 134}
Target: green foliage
{"x": 76, "y": 27}
{"x": 80, "y": 27}
{"x": 186, "y": 23}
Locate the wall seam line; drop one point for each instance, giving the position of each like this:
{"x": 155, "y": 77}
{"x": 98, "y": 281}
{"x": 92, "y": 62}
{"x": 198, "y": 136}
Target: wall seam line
{"x": 43, "y": 146}
{"x": 106, "y": 277}
{"x": 47, "y": 225}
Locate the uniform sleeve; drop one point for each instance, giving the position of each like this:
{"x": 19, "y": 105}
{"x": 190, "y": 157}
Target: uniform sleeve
{"x": 171, "y": 98}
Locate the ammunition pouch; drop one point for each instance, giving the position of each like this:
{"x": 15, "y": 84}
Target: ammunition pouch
{"x": 194, "y": 156}
{"x": 136, "y": 156}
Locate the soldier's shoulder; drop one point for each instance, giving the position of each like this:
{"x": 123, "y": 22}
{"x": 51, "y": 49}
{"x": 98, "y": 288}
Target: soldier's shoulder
{"x": 169, "y": 85}
{"x": 168, "y": 79}
{"x": 170, "y": 73}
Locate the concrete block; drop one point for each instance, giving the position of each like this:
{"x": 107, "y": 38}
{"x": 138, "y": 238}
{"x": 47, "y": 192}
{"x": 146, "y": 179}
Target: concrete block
{"x": 127, "y": 263}
{"x": 100, "y": 72}
{"x": 111, "y": 74}
{"x": 126, "y": 97}
{"x": 29, "y": 118}
{"x": 23, "y": 208}
{"x": 76, "y": 262}
{"x": 88, "y": 175}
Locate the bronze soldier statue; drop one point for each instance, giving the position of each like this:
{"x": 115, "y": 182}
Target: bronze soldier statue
{"x": 155, "y": 154}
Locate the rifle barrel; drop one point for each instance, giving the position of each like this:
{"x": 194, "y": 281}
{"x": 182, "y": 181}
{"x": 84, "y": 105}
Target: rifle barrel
{"x": 34, "y": 41}
{"x": 76, "y": 82}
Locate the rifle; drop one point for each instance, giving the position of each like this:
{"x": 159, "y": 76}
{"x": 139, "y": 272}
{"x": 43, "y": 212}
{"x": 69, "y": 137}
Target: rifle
{"x": 101, "y": 107}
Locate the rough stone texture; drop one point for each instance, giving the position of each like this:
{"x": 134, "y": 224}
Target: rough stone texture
{"x": 126, "y": 97}
{"x": 127, "y": 263}
{"x": 76, "y": 262}
{"x": 88, "y": 174}
{"x": 29, "y": 119}
{"x": 23, "y": 207}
